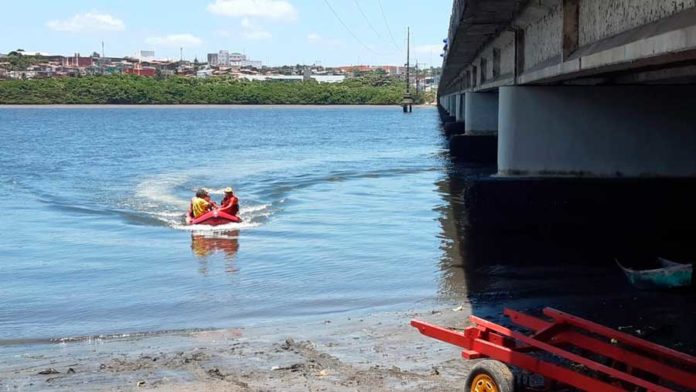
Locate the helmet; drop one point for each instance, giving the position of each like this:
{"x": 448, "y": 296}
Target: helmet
{"x": 229, "y": 190}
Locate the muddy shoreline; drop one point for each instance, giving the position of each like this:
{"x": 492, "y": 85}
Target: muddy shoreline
{"x": 378, "y": 352}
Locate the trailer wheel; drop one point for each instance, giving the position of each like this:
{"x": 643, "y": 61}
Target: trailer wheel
{"x": 490, "y": 376}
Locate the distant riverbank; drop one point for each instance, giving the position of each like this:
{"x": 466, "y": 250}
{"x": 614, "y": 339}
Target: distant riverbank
{"x": 127, "y": 89}
{"x": 195, "y": 106}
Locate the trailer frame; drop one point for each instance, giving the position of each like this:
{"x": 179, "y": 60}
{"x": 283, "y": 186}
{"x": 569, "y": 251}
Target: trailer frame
{"x": 570, "y": 351}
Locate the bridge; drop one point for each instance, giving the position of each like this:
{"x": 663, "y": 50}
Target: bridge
{"x": 575, "y": 97}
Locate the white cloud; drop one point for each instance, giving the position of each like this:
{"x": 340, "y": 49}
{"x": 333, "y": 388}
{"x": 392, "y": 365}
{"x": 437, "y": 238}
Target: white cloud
{"x": 174, "y": 40}
{"x": 271, "y": 9}
{"x": 253, "y": 31}
{"x": 90, "y": 21}
{"x": 316, "y": 39}
{"x": 426, "y": 49}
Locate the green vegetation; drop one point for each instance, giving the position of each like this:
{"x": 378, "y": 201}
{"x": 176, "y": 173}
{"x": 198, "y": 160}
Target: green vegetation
{"x": 127, "y": 89}
{"x": 17, "y": 61}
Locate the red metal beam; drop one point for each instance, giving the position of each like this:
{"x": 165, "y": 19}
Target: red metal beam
{"x": 660, "y": 369}
{"x": 597, "y": 346}
{"x": 546, "y": 369}
{"x": 526, "y": 321}
{"x": 625, "y": 338}
{"x": 446, "y": 335}
{"x": 559, "y": 352}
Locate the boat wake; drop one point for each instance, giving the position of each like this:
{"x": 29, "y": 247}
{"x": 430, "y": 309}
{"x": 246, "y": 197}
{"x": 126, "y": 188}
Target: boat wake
{"x": 164, "y": 199}
{"x": 159, "y": 198}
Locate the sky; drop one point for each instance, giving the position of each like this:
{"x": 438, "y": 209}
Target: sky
{"x": 276, "y": 32}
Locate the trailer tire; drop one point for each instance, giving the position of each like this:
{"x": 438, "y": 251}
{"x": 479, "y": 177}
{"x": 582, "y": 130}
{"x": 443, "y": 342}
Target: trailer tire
{"x": 490, "y": 376}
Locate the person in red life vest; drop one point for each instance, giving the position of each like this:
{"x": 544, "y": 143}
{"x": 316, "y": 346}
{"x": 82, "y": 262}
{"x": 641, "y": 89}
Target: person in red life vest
{"x": 230, "y": 203}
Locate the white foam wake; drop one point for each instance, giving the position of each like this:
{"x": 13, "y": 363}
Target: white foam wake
{"x": 157, "y": 192}
{"x": 156, "y": 196}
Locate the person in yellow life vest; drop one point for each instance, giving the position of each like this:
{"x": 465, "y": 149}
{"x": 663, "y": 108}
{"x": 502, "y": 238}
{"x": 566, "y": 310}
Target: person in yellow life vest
{"x": 201, "y": 203}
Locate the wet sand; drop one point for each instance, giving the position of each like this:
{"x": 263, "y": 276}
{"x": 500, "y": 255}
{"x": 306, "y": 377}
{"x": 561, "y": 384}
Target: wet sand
{"x": 379, "y": 352}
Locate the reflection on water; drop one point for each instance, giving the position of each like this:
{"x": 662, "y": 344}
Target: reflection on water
{"x": 572, "y": 271}
{"x": 204, "y": 245}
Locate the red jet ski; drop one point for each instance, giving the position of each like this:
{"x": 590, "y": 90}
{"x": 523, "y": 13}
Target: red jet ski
{"x": 212, "y": 218}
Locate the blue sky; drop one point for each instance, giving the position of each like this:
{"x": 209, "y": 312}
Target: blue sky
{"x": 273, "y": 31}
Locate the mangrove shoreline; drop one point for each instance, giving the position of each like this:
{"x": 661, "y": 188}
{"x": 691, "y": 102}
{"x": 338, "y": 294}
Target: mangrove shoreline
{"x": 138, "y": 90}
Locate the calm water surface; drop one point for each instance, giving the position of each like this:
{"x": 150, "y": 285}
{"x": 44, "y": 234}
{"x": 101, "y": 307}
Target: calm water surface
{"x": 342, "y": 213}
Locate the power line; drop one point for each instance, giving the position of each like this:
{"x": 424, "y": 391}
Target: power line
{"x": 387, "y": 24}
{"x": 357, "y": 4}
{"x": 347, "y": 28}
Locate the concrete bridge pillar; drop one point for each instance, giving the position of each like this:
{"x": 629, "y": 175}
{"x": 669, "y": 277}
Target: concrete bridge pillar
{"x": 608, "y": 131}
{"x": 478, "y": 144}
{"x": 455, "y": 124}
{"x": 481, "y": 113}
{"x": 459, "y": 112}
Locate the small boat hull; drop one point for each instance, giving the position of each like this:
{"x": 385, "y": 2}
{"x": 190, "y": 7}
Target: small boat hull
{"x": 669, "y": 275}
{"x": 213, "y": 218}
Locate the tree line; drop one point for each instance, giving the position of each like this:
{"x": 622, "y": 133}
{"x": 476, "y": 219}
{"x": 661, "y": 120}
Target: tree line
{"x": 373, "y": 89}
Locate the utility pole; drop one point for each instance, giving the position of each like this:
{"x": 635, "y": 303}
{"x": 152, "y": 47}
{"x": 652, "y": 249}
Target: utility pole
{"x": 181, "y": 54}
{"x": 408, "y": 57}
{"x": 407, "y": 103}
{"x": 101, "y": 60}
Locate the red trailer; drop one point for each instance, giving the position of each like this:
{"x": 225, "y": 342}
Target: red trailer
{"x": 569, "y": 352}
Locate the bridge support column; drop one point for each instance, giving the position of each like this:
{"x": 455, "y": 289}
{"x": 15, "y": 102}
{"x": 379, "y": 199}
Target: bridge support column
{"x": 449, "y": 111}
{"x": 459, "y": 103}
{"x": 615, "y": 131}
{"x": 455, "y": 125}
{"x": 481, "y": 113}
{"x": 592, "y": 161}
{"x": 479, "y": 144}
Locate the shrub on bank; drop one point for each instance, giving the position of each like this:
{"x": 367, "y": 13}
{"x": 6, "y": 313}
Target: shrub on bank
{"x": 131, "y": 89}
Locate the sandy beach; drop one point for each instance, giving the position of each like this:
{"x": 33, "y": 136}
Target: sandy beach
{"x": 379, "y": 352}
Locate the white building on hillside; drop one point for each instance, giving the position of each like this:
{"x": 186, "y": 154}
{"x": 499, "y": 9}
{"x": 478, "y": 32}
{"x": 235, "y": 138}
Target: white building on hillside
{"x": 226, "y": 59}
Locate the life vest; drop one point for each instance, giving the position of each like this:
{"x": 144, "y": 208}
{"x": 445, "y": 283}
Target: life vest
{"x": 230, "y": 205}
{"x": 199, "y": 206}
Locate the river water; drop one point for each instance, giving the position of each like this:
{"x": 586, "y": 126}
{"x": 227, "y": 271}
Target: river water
{"x": 347, "y": 211}
{"x": 341, "y": 210}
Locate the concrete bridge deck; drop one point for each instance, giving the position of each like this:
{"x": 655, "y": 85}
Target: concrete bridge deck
{"x": 493, "y": 43}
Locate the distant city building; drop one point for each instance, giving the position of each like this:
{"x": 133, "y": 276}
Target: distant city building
{"x": 224, "y": 58}
{"x": 140, "y": 70}
{"x": 236, "y": 58}
{"x": 204, "y": 73}
{"x": 251, "y": 63}
{"x": 296, "y": 78}
{"x": 213, "y": 59}
{"x": 78, "y": 61}
{"x": 392, "y": 70}
{"x": 146, "y": 55}
{"x": 144, "y": 71}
